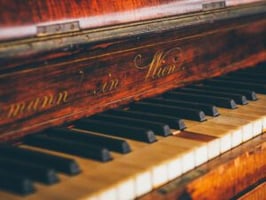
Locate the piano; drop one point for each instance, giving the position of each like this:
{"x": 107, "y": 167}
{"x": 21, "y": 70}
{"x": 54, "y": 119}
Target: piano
{"x": 152, "y": 99}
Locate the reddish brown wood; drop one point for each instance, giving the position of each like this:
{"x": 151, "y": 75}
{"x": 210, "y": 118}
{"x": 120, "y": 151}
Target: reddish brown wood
{"x": 30, "y": 12}
{"x": 21, "y": 18}
{"x": 42, "y": 88}
{"x": 228, "y": 176}
{"x": 26, "y": 12}
{"x": 256, "y": 193}
{"x": 37, "y": 95}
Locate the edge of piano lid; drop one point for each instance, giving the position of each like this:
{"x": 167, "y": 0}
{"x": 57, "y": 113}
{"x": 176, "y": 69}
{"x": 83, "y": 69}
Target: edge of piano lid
{"x": 56, "y": 76}
{"x": 49, "y": 17}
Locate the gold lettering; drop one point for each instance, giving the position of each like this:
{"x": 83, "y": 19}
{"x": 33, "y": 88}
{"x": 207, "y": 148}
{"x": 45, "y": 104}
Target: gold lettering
{"x": 113, "y": 84}
{"x": 163, "y": 63}
{"x": 172, "y": 69}
{"x": 47, "y": 100}
{"x": 155, "y": 64}
{"x": 33, "y": 105}
{"x": 16, "y": 109}
{"x": 62, "y": 97}
{"x": 36, "y": 104}
{"x": 108, "y": 86}
{"x": 160, "y": 72}
{"x": 105, "y": 87}
{"x": 29, "y": 107}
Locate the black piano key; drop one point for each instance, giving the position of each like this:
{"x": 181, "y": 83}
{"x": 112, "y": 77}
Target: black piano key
{"x": 14, "y": 183}
{"x": 192, "y": 114}
{"x": 256, "y": 69}
{"x": 208, "y": 109}
{"x": 173, "y": 122}
{"x": 33, "y": 171}
{"x": 256, "y": 76}
{"x": 251, "y": 95}
{"x": 243, "y": 79}
{"x": 120, "y": 130}
{"x": 157, "y": 127}
{"x": 239, "y": 99}
{"x": 258, "y": 88}
{"x": 217, "y": 101}
{"x": 120, "y": 146}
{"x": 65, "y": 165}
{"x": 260, "y": 68}
{"x": 80, "y": 149}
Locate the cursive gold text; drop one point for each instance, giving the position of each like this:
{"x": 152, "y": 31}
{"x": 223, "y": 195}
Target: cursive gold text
{"x": 36, "y": 104}
{"x": 107, "y": 86}
{"x": 163, "y": 63}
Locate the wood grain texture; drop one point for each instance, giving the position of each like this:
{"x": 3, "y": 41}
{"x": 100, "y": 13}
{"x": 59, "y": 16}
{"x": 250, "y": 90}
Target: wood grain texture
{"x": 258, "y": 192}
{"x": 30, "y": 12}
{"x": 35, "y": 12}
{"x": 222, "y": 178}
{"x": 23, "y": 18}
{"x": 106, "y": 75}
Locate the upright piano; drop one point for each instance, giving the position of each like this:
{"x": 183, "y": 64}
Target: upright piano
{"x": 151, "y": 99}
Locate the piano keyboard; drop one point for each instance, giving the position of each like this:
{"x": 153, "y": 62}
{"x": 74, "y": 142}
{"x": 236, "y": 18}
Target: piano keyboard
{"x": 127, "y": 152}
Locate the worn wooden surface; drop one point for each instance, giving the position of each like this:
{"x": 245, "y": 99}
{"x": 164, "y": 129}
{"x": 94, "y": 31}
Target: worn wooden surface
{"x": 40, "y": 12}
{"x": 23, "y": 18}
{"x": 222, "y": 178}
{"x": 45, "y": 89}
{"x": 106, "y": 75}
{"x": 58, "y": 40}
{"x": 258, "y": 192}
{"x": 36, "y": 12}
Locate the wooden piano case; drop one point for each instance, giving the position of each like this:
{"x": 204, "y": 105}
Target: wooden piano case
{"x": 237, "y": 174}
{"x": 50, "y": 79}
{"x": 63, "y": 60}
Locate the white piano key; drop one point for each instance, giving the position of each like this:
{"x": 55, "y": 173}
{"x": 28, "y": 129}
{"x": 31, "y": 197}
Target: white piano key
{"x": 201, "y": 155}
{"x": 224, "y": 135}
{"x": 244, "y": 126}
{"x": 143, "y": 183}
{"x": 151, "y": 165}
{"x": 247, "y": 131}
{"x": 188, "y": 162}
{"x": 200, "y": 148}
{"x": 159, "y": 175}
{"x": 226, "y": 143}
{"x": 257, "y": 129}
{"x": 237, "y": 137}
{"x": 110, "y": 194}
{"x": 126, "y": 190}
{"x": 174, "y": 168}
{"x": 213, "y": 148}
{"x": 252, "y": 118}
